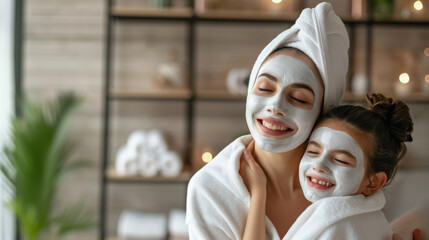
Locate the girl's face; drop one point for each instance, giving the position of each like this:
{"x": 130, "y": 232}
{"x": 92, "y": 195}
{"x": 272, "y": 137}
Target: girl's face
{"x": 335, "y": 161}
{"x": 284, "y": 103}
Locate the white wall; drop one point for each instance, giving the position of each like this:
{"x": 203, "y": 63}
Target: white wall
{"x": 7, "y": 222}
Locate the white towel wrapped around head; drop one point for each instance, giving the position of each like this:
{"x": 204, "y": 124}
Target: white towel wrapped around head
{"x": 322, "y": 36}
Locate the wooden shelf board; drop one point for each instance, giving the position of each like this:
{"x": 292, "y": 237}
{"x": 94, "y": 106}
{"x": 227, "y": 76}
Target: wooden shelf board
{"x": 151, "y": 94}
{"x": 398, "y": 19}
{"x": 113, "y": 176}
{"x": 151, "y": 12}
{"x": 218, "y": 95}
{"x": 249, "y": 15}
{"x": 246, "y": 15}
{"x": 413, "y": 97}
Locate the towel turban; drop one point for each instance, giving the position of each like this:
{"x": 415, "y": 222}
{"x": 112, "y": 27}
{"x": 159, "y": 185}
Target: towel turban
{"x": 322, "y": 36}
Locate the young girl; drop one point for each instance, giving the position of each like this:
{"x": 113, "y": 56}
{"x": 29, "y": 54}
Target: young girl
{"x": 351, "y": 154}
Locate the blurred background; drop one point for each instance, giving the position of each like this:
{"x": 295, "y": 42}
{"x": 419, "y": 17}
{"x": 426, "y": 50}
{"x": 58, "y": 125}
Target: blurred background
{"x": 163, "y": 85}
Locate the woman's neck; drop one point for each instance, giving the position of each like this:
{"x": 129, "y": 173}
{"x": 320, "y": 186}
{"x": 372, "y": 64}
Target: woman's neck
{"x": 281, "y": 170}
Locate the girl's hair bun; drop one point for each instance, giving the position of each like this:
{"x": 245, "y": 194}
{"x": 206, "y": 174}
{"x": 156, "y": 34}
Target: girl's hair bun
{"x": 395, "y": 114}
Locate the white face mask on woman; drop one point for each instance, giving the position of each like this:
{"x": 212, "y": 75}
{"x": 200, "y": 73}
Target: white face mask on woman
{"x": 333, "y": 165}
{"x": 279, "y": 120}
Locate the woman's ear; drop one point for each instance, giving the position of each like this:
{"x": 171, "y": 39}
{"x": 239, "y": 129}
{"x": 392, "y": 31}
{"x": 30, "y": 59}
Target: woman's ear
{"x": 376, "y": 181}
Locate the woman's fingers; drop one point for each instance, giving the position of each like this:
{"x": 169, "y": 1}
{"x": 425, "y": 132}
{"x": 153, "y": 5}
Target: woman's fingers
{"x": 251, "y": 146}
{"x": 417, "y": 234}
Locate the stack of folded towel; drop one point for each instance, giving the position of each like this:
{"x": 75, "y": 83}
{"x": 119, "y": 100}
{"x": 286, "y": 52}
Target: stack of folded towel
{"x": 142, "y": 226}
{"x": 177, "y": 228}
{"x": 147, "y": 154}
{"x": 135, "y": 225}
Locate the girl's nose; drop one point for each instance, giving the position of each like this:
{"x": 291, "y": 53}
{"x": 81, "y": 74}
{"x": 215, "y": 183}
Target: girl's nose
{"x": 320, "y": 168}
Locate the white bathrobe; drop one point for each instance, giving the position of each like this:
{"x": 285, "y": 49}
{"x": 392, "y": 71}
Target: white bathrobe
{"x": 218, "y": 204}
{"x": 348, "y": 217}
{"x": 218, "y": 201}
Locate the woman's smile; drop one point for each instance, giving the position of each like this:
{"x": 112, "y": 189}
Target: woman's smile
{"x": 274, "y": 128}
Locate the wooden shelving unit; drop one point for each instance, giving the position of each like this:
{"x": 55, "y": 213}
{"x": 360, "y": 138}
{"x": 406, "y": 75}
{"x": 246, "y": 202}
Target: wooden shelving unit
{"x": 191, "y": 95}
{"x": 128, "y": 12}
{"x": 183, "y": 177}
{"x": 167, "y": 94}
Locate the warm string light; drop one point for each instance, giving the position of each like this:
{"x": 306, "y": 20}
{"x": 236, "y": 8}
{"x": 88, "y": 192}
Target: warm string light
{"x": 418, "y": 5}
{"x": 426, "y": 52}
{"x": 276, "y": 1}
{"x": 427, "y": 78}
{"x": 404, "y": 78}
{"x": 207, "y": 157}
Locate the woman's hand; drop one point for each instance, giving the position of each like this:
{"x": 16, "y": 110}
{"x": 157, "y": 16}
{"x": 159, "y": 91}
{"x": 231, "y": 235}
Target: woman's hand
{"x": 253, "y": 176}
{"x": 417, "y": 235}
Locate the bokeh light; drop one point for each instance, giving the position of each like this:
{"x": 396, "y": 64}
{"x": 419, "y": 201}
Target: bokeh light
{"x": 418, "y": 5}
{"x": 404, "y": 78}
{"x": 426, "y": 51}
{"x": 276, "y": 1}
{"x": 207, "y": 157}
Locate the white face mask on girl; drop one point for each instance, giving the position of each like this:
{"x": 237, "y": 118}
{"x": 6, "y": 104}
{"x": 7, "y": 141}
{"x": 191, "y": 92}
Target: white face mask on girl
{"x": 325, "y": 168}
{"x": 291, "y": 130}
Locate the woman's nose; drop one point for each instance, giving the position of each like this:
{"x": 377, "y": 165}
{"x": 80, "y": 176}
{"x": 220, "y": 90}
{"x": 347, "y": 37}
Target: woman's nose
{"x": 276, "y": 112}
{"x": 320, "y": 168}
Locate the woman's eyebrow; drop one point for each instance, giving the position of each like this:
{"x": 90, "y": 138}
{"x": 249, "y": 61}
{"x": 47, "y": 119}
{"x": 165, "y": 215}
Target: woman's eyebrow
{"x": 305, "y": 86}
{"x": 271, "y": 77}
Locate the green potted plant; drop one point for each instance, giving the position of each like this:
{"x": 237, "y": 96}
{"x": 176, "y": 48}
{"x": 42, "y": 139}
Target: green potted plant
{"x": 35, "y": 162}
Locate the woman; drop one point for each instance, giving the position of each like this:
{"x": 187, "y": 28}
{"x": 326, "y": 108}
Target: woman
{"x": 308, "y": 75}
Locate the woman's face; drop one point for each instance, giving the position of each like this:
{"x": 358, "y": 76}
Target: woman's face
{"x": 334, "y": 162}
{"x": 285, "y": 101}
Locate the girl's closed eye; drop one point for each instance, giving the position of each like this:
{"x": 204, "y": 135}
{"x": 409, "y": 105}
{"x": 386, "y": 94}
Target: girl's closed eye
{"x": 314, "y": 149}
{"x": 345, "y": 159}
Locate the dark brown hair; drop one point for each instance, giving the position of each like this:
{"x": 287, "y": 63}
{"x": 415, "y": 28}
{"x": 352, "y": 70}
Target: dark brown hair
{"x": 387, "y": 121}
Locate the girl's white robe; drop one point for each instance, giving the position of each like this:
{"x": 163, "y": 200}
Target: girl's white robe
{"x": 347, "y": 217}
{"x": 218, "y": 204}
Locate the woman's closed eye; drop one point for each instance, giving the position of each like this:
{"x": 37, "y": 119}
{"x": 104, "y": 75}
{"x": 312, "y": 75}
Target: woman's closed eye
{"x": 265, "y": 89}
{"x": 299, "y": 100}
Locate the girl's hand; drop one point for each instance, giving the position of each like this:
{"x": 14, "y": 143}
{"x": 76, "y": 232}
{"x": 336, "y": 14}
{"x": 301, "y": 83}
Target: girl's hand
{"x": 253, "y": 176}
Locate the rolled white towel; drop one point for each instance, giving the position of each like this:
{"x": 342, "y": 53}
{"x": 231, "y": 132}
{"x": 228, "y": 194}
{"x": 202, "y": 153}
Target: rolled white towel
{"x": 170, "y": 164}
{"x": 156, "y": 142}
{"x": 140, "y": 225}
{"x": 126, "y": 162}
{"x": 138, "y": 141}
{"x": 148, "y": 164}
{"x": 176, "y": 223}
